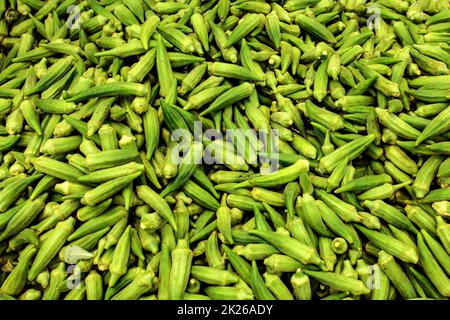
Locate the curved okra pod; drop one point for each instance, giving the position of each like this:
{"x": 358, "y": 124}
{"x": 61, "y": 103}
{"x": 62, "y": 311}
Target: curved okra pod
{"x": 228, "y": 293}
{"x": 333, "y": 221}
{"x": 155, "y": 201}
{"x": 24, "y": 216}
{"x": 258, "y": 286}
{"x": 213, "y": 276}
{"x": 281, "y": 176}
{"x": 438, "y": 251}
{"x": 396, "y": 275}
{"x": 350, "y": 150}
{"x": 50, "y": 247}
{"x": 391, "y": 245}
{"x": 289, "y": 246}
{"x": 106, "y": 219}
{"x": 141, "y": 284}
{"x": 432, "y": 268}
{"x": 364, "y": 183}
{"x": 345, "y": 211}
{"x": 339, "y": 282}
{"x": 311, "y": 215}
{"x": 443, "y": 232}
{"x": 15, "y": 282}
{"x": 13, "y": 191}
{"x": 390, "y": 214}
{"x": 119, "y": 262}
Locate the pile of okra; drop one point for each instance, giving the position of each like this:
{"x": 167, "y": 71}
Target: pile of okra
{"x": 119, "y": 179}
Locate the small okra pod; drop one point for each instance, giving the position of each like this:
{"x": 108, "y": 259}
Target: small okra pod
{"x": 213, "y": 256}
{"x": 15, "y": 281}
{"x": 401, "y": 160}
{"x": 350, "y": 150}
{"x": 437, "y": 195}
{"x": 181, "y": 214}
{"x": 56, "y": 168}
{"x": 344, "y": 210}
{"x": 391, "y": 245}
{"x": 315, "y": 28}
{"x": 104, "y": 175}
{"x": 291, "y": 191}
{"x": 242, "y": 267}
{"x": 443, "y": 233}
{"x": 421, "y": 218}
{"x": 88, "y": 242}
{"x": 228, "y": 293}
{"x": 119, "y": 262}
{"x": 31, "y": 115}
{"x": 140, "y": 285}
{"x": 54, "y": 72}
{"x": 258, "y": 286}
{"x": 438, "y": 251}
{"x": 30, "y": 294}
{"x": 180, "y": 270}
{"x": 396, "y": 275}
{"x": 339, "y": 282}
{"x": 213, "y": 276}
{"x": 271, "y": 197}
{"x": 279, "y": 177}
{"x": 348, "y": 271}
{"x": 338, "y": 245}
{"x": 298, "y": 231}
{"x": 24, "y": 237}
{"x": 321, "y": 81}
{"x": 311, "y": 215}
{"x": 369, "y": 220}
{"x": 201, "y": 196}
{"x": 425, "y": 175}
{"x": 50, "y": 247}
{"x": 277, "y": 287}
{"x": 115, "y": 233}
{"x": 57, "y": 276}
{"x": 332, "y": 220}
{"x": 432, "y": 268}
{"x": 87, "y": 212}
{"x": 148, "y": 28}
{"x": 157, "y": 203}
{"x": 256, "y": 251}
{"x": 24, "y": 216}
{"x": 396, "y": 124}
{"x": 426, "y": 285}
{"x": 107, "y": 189}
{"x": 301, "y": 284}
{"x": 365, "y": 183}
{"x": 60, "y": 213}
{"x": 336, "y": 176}
{"x": 94, "y": 286}
{"x": 327, "y": 254}
{"x": 289, "y": 246}
{"x": 223, "y": 215}
{"x": 200, "y": 28}
{"x": 192, "y": 79}
{"x": 384, "y": 191}
{"x": 56, "y": 146}
{"x": 247, "y": 24}
{"x": 106, "y": 219}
